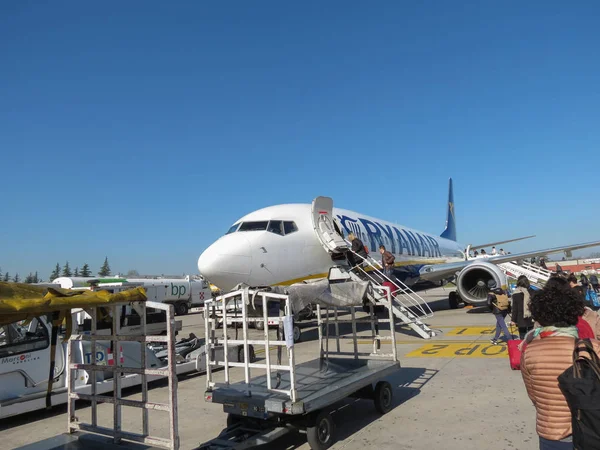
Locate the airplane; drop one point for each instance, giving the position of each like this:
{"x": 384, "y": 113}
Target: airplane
{"x": 290, "y": 243}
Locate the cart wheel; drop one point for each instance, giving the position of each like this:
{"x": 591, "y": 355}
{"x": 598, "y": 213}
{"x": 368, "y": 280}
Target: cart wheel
{"x": 297, "y": 333}
{"x": 260, "y": 325}
{"x": 383, "y": 397}
{"x": 250, "y": 351}
{"x": 321, "y": 435}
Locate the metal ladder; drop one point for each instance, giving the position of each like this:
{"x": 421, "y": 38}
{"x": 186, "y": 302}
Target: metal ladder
{"x": 406, "y": 304}
{"x": 535, "y": 274}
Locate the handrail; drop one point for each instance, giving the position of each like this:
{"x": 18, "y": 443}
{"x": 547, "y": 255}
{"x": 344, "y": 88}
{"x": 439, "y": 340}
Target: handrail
{"x": 415, "y": 301}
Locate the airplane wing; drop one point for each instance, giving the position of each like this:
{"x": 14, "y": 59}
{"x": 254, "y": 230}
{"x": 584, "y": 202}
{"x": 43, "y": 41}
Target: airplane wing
{"x": 491, "y": 244}
{"x": 436, "y": 272}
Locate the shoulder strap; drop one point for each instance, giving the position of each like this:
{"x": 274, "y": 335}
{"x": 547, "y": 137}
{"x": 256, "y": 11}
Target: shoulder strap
{"x": 581, "y": 346}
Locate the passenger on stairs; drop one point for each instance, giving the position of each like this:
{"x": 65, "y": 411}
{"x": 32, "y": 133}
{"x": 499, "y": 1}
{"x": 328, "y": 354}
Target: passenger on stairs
{"x": 387, "y": 261}
{"x": 521, "y": 315}
{"x": 358, "y": 248}
{"x": 494, "y": 252}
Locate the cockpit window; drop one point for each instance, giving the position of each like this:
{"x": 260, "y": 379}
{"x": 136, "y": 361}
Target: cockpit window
{"x": 289, "y": 227}
{"x": 233, "y": 228}
{"x": 254, "y": 226}
{"x": 276, "y": 226}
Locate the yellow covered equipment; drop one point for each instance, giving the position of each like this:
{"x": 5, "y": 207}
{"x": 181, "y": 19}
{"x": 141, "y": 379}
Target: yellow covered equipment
{"x": 20, "y": 301}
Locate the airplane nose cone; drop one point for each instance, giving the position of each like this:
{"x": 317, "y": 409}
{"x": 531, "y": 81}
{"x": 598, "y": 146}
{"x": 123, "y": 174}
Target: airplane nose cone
{"x": 227, "y": 262}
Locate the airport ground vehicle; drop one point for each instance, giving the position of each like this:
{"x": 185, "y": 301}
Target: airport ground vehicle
{"x": 26, "y": 359}
{"x": 182, "y": 293}
{"x": 291, "y": 396}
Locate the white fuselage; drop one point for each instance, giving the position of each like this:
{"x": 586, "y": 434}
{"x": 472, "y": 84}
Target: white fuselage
{"x": 262, "y": 257}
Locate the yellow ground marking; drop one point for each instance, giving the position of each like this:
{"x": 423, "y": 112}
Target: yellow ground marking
{"x": 466, "y": 350}
{"x": 260, "y": 350}
{"x": 471, "y": 331}
{"x": 414, "y": 342}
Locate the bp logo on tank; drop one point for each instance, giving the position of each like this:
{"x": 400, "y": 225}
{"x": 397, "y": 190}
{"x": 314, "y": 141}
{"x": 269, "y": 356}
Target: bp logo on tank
{"x": 178, "y": 290}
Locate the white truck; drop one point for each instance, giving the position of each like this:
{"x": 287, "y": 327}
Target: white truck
{"x": 25, "y": 355}
{"x": 182, "y": 293}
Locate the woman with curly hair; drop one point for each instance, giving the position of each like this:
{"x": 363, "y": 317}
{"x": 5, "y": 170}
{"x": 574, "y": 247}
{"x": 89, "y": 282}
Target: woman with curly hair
{"x": 557, "y": 310}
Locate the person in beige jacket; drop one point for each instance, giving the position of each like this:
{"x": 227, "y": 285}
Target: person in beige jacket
{"x": 557, "y": 310}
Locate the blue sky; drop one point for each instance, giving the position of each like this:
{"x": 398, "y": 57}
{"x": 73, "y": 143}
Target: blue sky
{"x": 141, "y": 130}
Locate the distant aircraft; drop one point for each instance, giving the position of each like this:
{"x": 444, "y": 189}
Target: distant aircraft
{"x": 286, "y": 244}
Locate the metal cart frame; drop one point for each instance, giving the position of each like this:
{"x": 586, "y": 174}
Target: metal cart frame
{"x": 294, "y": 396}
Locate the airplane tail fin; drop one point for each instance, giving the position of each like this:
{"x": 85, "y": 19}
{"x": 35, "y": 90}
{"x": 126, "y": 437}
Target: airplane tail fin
{"x": 450, "y": 231}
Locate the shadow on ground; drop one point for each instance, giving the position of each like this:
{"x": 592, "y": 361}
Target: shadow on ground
{"x": 353, "y": 415}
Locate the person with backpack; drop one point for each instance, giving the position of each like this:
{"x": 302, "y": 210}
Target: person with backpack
{"x": 521, "y": 315}
{"x": 499, "y": 304}
{"x": 557, "y": 309}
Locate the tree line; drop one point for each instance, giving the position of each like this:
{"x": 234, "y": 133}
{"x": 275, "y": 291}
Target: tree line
{"x": 65, "y": 271}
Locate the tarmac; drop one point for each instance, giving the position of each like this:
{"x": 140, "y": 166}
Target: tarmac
{"x": 455, "y": 391}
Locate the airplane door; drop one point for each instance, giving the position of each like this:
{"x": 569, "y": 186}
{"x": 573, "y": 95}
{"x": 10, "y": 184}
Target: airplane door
{"x": 322, "y": 220}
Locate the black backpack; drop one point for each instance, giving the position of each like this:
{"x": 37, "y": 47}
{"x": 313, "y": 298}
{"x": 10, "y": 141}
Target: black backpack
{"x": 580, "y": 385}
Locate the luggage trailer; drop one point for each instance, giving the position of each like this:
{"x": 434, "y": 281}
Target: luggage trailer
{"x": 295, "y": 397}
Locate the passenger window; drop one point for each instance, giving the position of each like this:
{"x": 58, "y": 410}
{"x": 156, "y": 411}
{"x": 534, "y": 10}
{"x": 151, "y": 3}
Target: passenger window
{"x": 254, "y": 226}
{"x": 233, "y": 228}
{"x": 289, "y": 227}
{"x": 22, "y": 337}
{"x": 276, "y": 226}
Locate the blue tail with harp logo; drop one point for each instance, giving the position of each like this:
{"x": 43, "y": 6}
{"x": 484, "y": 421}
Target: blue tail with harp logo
{"x": 450, "y": 231}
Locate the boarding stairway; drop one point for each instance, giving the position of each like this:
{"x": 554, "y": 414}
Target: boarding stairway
{"x": 535, "y": 274}
{"x": 404, "y": 303}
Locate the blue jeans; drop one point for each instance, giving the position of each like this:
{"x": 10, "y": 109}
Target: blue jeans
{"x": 501, "y": 327}
{"x": 565, "y": 444}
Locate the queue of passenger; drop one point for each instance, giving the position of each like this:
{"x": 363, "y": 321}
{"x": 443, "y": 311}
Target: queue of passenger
{"x": 552, "y": 318}
{"x": 483, "y": 254}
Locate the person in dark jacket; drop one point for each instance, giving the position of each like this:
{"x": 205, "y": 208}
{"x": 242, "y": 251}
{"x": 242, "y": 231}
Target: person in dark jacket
{"x": 358, "y": 248}
{"x": 594, "y": 282}
{"x": 521, "y": 315}
{"x": 387, "y": 261}
{"x": 583, "y": 279}
{"x": 577, "y": 287}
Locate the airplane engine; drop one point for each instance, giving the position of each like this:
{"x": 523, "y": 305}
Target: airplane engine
{"x": 472, "y": 281}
